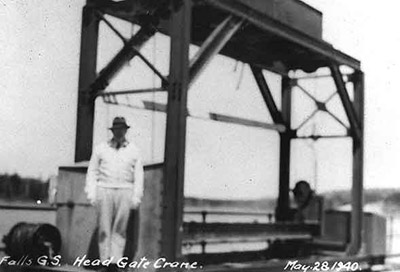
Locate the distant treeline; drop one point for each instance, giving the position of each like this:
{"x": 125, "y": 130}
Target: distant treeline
{"x": 343, "y": 197}
{"x": 14, "y": 187}
{"x": 332, "y": 200}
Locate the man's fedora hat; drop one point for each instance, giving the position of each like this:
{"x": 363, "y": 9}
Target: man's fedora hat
{"x": 119, "y": 122}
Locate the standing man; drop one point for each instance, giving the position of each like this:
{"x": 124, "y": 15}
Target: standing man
{"x": 114, "y": 185}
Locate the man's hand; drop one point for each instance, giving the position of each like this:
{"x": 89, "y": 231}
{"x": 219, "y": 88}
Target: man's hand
{"x": 92, "y": 201}
{"x": 91, "y": 194}
{"x": 135, "y": 201}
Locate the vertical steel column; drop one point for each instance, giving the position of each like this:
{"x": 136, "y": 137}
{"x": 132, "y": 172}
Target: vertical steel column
{"x": 358, "y": 162}
{"x": 87, "y": 74}
{"x": 282, "y": 210}
{"x": 174, "y": 160}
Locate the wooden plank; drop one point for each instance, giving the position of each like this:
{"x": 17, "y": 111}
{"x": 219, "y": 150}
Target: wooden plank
{"x": 150, "y": 214}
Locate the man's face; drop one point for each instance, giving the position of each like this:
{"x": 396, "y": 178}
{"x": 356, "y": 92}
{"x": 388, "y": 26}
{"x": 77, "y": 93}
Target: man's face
{"x": 302, "y": 194}
{"x": 119, "y": 132}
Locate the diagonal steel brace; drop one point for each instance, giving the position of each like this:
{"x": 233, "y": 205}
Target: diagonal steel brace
{"x": 123, "y": 56}
{"x": 347, "y": 104}
{"x": 212, "y": 45}
{"x": 266, "y": 93}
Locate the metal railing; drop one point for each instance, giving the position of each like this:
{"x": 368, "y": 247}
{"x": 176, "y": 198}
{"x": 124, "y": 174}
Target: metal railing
{"x": 220, "y": 232}
{"x": 269, "y": 216}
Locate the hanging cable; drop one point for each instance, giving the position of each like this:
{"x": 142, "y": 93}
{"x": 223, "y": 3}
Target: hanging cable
{"x": 313, "y": 143}
{"x": 153, "y": 117}
{"x": 314, "y": 154}
{"x": 107, "y": 101}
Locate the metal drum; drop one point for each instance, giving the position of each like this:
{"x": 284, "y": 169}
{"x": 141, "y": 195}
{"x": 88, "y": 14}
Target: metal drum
{"x": 34, "y": 240}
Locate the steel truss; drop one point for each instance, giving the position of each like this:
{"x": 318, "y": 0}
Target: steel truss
{"x": 183, "y": 72}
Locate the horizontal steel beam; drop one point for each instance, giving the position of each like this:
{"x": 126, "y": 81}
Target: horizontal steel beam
{"x": 150, "y": 90}
{"x": 154, "y": 106}
{"x": 228, "y": 238}
{"x": 149, "y": 105}
{"x": 258, "y": 19}
{"x": 313, "y": 77}
{"x": 160, "y": 107}
{"x": 246, "y": 122}
{"x": 194, "y": 229}
{"x": 317, "y": 137}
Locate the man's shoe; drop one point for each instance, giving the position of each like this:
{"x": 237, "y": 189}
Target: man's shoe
{"x": 102, "y": 269}
{"x": 112, "y": 268}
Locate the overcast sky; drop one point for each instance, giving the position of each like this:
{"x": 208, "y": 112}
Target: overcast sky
{"x": 39, "y": 53}
{"x": 367, "y": 31}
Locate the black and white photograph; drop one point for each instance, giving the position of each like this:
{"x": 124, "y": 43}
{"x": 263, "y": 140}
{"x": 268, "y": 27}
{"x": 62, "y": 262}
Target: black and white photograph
{"x": 199, "y": 135}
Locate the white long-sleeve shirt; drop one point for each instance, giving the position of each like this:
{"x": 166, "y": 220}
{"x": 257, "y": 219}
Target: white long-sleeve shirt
{"x": 115, "y": 168}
